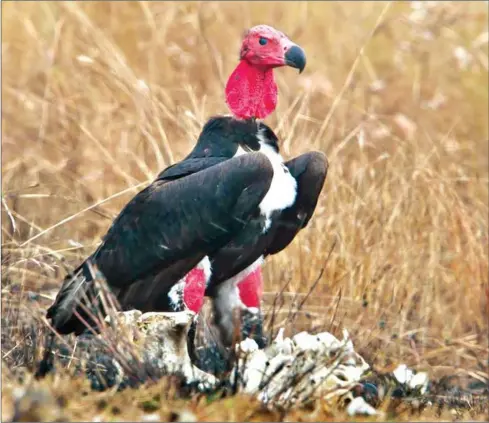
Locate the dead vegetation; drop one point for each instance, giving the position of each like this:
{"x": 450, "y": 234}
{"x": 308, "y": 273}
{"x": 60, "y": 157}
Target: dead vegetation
{"x": 98, "y": 97}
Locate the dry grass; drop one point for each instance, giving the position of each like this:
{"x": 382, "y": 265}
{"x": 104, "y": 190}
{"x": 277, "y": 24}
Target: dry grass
{"x": 99, "y": 97}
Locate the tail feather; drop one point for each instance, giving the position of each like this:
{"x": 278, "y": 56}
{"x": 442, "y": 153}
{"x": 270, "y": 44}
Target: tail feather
{"x": 76, "y": 302}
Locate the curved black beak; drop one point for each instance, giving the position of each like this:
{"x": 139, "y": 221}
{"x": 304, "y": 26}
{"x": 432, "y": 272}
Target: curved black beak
{"x": 295, "y": 58}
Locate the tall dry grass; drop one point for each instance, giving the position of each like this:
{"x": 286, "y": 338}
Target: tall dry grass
{"x": 98, "y": 97}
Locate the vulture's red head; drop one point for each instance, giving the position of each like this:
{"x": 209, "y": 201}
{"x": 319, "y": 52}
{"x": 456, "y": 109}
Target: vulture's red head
{"x": 265, "y": 47}
{"x": 251, "y": 91}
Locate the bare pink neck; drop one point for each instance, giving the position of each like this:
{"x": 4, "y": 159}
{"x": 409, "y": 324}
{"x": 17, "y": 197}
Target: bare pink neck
{"x": 251, "y": 92}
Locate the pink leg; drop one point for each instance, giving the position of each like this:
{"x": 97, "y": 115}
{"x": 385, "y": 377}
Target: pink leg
{"x": 194, "y": 289}
{"x": 251, "y": 288}
{"x": 188, "y": 293}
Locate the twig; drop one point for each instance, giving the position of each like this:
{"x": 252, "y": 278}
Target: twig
{"x": 315, "y": 282}
{"x": 335, "y": 310}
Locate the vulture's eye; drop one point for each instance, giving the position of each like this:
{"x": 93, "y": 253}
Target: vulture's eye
{"x": 262, "y": 41}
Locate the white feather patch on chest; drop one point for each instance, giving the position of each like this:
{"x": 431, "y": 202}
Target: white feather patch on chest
{"x": 283, "y": 189}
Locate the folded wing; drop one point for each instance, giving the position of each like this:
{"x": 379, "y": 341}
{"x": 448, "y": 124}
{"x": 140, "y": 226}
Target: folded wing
{"x": 169, "y": 225}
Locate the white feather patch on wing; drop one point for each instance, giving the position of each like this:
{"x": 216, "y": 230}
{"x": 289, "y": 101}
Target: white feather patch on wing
{"x": 283, "y": 188}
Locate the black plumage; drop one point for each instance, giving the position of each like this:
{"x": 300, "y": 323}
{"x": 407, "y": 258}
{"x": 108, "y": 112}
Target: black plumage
{"x": 205, "y": 205}
{"x": 169, "y": 226}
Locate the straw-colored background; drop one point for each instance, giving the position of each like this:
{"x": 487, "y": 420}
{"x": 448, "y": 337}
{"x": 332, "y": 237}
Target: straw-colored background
{"x": 99, "y": 97}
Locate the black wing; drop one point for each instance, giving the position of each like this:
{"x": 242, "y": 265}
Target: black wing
{"x": 170, "y": 222}
{"x": 310, "y": 172}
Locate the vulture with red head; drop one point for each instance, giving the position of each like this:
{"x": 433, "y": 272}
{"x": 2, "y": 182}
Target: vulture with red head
{"x": 204, "y": 226}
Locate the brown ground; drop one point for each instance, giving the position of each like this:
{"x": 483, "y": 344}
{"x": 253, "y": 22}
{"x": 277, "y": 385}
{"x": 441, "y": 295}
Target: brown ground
{"x": 98, "y": 97}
